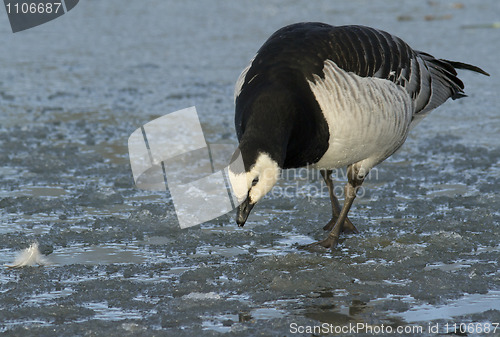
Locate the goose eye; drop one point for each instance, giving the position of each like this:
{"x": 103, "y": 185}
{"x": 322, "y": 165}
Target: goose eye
{"x": 255, "y": 181}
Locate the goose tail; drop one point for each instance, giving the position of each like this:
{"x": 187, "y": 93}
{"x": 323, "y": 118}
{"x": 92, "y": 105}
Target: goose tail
{"x": 466, "y": 66}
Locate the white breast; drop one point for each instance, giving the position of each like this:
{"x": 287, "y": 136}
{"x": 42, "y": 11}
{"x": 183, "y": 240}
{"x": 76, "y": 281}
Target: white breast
{"x": 368, "y": 118}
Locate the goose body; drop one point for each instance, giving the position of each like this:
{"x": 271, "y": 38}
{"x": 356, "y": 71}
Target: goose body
{"x": 368, "y": 118}
{"x": 330, "y": 97}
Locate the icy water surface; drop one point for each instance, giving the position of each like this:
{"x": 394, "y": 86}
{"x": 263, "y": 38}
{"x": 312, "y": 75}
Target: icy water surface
{"x": 74, "y": 89}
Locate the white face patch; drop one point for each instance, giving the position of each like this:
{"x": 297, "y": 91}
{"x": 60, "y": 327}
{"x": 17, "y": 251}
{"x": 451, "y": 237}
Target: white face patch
{"x": 266, "y": 173}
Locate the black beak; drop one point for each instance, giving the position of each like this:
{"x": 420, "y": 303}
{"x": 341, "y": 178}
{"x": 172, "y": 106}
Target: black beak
{"x": 243, "y": 211}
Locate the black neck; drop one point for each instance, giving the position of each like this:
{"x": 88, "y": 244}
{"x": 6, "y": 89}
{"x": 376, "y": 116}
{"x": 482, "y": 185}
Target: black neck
{"x": 265, "y": 132}
{"x": 283, "y": 120}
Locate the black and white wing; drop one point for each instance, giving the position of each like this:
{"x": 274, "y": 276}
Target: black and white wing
{"x": 365, "y": 51}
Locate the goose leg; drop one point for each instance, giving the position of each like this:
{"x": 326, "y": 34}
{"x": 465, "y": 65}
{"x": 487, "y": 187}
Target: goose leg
{"x": 347, "y": 226}
{"x": 354, "y": 182}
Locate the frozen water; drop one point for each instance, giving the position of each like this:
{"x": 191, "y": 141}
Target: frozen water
{"x": 466, "y": 305}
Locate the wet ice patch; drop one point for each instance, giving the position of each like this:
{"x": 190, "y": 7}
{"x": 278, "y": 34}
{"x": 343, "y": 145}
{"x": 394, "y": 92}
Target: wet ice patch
{"x": 451, "y": 266}
{"x": 285, "y": 245}
{"x": 228, "y": 322}
{"x": 221, "y": 323}
{"x": 467, "y": 305}
{"x": 103, "y": 311}
{"x": 47, "y": 298}
{"x": 112, "y": 253}
{"x": 202, "y": 296}
{"x": 267, "y": 313}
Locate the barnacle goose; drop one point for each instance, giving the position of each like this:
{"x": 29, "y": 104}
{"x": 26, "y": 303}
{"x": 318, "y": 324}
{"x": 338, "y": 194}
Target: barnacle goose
{"x": 329, "y": 97}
